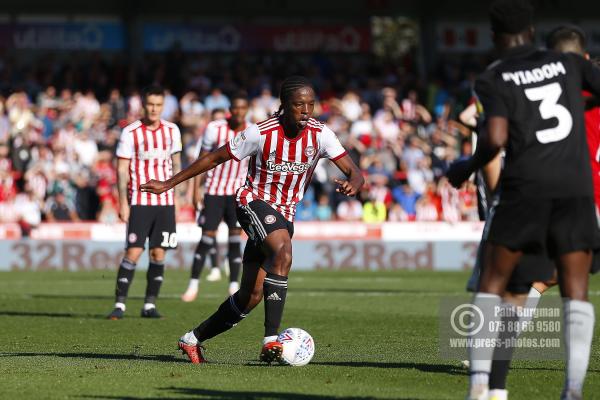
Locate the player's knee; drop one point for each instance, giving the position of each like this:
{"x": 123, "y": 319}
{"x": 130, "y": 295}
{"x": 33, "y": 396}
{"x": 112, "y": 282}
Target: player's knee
{"x": 133, "y": 254}
{"x": 157, "y": 256}
{"x": 211, "y": 234}
{"x": 284, "y": 254}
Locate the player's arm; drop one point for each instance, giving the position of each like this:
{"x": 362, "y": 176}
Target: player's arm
{"x": 355, "y": 180}
{"x": 122, "y": 185}
{"x": 198, "y": 184}
{"x": 491, "y": 172}
{"x": 201, "y": 165}
{"x": 488, "y": 148}
{"x": 492, "y": 137}
{"x": 176, "y": 161}
{"x": 333, "y": 149}
{"x": 241, "y": 146}
{"x": 590, "y": 73}
{"x": 468, "y": 116}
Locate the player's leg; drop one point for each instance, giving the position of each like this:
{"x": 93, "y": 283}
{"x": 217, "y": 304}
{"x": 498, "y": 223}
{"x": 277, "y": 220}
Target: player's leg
{"x": 579, "y": 318}
{"x": 218, "y": 207}
{"x": 162, "y": 236}
{"x": 138, "y": 227}
{"x": 516, "y": 223}
{"x": 154, "y": 279}
{"x": 206, "y": 244}
{"x": 214, "y": 274}
{"x": 209, "y": 220}
{"x": 279, "y": 262}
{"x": 234, "y": 251}
{"x": 236, "y": 307}
{"x": 234, "y": 255}
{"x": 269, "y": 228}
{"x": 232, "y": 310}
{"x": 574, "y": 232}
{"x": 500, "y": 262}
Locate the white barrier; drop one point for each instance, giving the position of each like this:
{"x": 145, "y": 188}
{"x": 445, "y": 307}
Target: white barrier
{"x": 431, "y": 246}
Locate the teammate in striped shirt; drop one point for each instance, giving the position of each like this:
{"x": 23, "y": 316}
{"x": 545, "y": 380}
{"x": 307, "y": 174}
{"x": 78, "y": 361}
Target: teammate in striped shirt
{"x": 148, "y": 149}
{"x": 283, "y": 151}
{"x": 220, "y": 185}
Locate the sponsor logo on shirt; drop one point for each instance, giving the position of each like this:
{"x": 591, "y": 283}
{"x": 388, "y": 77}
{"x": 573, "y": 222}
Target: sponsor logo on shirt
{"x": 154, "y": 154}
{"x": 287, "y": 167}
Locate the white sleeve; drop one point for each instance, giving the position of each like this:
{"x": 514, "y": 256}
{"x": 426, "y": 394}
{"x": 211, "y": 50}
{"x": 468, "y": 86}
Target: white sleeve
{"x": 125, "y": 145}
{"x": 245, "y": 143}
{"x": 176, "y": 145}
{"x": 330, "y": 145}
{"x": 209, "y": 138}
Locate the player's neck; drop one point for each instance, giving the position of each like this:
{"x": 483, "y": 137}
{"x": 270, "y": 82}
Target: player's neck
{"x": 511, "y": 41}
{"x": 151, "y": 125}
{"x": 290, "y": 130}
{"x": 236, "y": 126}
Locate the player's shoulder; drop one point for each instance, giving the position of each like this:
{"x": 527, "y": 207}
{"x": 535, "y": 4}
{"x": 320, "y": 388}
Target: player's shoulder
{"x": 132, "y": 126}
{"x": 169, "y": 124}
{"x": 267, "y": 125}
{"x": 316, "y": 125}
{"x": 217, "y": 123}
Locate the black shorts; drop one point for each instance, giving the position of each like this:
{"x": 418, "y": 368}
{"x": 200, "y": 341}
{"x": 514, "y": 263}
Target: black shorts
{"x": 154, "y": 222}
{"x": 258, "y": 220}
{"x": 531, "y": 225}
{"x": 217, "y": 209}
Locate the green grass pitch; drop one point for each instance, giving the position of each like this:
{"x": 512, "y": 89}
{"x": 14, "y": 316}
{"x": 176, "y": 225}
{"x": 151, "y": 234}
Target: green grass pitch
{"x": 376, "y": 336}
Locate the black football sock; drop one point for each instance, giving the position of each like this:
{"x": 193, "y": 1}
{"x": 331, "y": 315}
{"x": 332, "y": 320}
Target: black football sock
{"x": 154, "y": 277}
{"x": 234, "y": 255}
{"x": 499, "y": 373}
{"x": 225, "y": 318}
{"x": 503, "y": 355}
{"x": 214, "y": 255}
{"x": 274, "y": 293}
{"x": 204, "y": 246}
{"x": 124, "y": 279}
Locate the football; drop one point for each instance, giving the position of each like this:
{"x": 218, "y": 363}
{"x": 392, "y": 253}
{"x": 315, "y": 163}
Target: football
{"x": 298, "y": 347}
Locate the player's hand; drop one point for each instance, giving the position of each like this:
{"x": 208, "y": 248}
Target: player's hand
{"x": 459, "y": 171}
{"x": 198, "y": 200}
{"x": 345, "y": 187}
{"x": 154, "y": 186}
{"x": 124, "y": 213}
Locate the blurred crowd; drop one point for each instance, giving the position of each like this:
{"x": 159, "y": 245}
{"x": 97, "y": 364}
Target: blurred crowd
{"x": 60, "y": 122}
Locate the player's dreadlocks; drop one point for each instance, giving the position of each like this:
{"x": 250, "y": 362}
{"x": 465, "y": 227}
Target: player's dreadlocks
{"x": 288, "y": 87}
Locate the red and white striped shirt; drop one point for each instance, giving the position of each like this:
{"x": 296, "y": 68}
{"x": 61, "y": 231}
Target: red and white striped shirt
{"x": 150, "y": 153}
{"x": 226, "y": 178}
{"x": 281, "y": 168}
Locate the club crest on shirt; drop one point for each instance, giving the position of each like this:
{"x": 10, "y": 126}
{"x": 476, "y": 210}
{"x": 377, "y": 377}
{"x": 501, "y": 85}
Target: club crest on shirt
{"x": 237, "y": 140}
{"x": 132, "y": 237}
{"x": 270, "y": 219}
{"x": 309, "y": 151}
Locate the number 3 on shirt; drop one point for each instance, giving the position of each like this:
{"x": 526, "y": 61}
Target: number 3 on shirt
{"x": 169, "y": 239}
{"x": 549, "y": 108}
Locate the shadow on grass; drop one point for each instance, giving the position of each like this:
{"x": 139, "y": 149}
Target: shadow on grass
{"x": 437, "y": 368}
{"x": 101, "y": 356}
{"x": 49, "y": 314}
{"x": 81, "y": 296}
{"x": 353, "y": 290}
{"x": 228, "y": 394}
